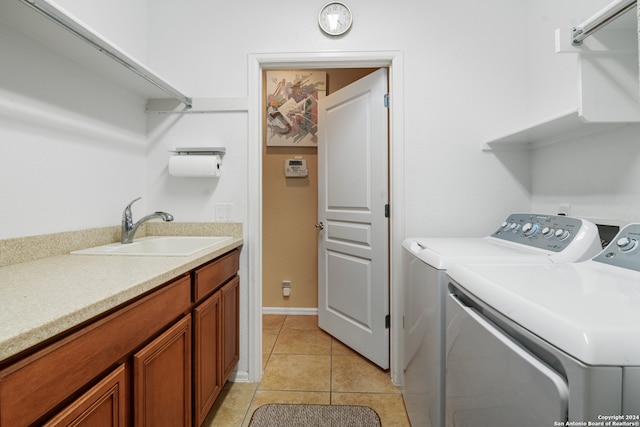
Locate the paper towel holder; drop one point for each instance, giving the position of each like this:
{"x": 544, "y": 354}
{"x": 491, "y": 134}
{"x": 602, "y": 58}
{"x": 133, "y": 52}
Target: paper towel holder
{"x": 199, "y": 150}
{"x": 196, "y": 162}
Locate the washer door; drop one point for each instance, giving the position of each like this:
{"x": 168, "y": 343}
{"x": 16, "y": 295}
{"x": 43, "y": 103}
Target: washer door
{"x": 492, "y": 381}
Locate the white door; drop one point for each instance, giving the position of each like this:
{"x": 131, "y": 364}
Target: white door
{"x": 353, "y": 190}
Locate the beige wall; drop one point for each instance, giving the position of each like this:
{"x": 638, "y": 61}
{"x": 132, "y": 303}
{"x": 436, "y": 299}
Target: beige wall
{"x": 290, "y": 211}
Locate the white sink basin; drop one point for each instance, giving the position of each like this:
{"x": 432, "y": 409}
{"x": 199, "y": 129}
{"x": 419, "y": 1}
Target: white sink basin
{"x": 159, "y": 246}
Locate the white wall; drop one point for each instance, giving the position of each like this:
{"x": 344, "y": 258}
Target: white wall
{"x": 552, "y": 78}
{"x": 462, "y": 75}
{"x": 597, "y": 175}
{"x": 122, "y": 22}
{"x": 195, "y": 199}
{"x": 462, "y": 72}
{"x": 73, "y": 144}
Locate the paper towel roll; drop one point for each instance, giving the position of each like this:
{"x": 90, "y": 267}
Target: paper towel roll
{"x": 201, "y": 165}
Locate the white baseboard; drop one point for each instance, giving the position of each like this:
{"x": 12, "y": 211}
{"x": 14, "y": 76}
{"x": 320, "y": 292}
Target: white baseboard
{"x": 290, "y": 310}
{"x": 239, "y": 377}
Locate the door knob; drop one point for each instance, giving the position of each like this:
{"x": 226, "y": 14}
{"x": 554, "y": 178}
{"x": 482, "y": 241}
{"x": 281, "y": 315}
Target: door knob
{"x": 320, "y": 226}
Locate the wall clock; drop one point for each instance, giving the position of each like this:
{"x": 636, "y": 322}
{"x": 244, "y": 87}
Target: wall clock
{"x": 335, "y": 18}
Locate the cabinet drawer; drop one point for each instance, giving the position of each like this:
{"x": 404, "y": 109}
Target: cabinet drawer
{"x": 216, "y": 273}
{"x": 36, "y": 385}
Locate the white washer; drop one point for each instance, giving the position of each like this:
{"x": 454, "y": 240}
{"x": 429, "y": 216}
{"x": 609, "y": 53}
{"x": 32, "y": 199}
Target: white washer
{"x": 545, "y": 345}
{"x": 522, "y": 238}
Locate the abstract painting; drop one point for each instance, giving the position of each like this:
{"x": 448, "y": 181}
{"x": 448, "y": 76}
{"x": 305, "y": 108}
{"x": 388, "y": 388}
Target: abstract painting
{"x": 292, "y": 107}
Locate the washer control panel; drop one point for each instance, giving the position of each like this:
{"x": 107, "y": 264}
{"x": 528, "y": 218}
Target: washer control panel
{"x": 624, "y": 249}
{"x": 549, "y": 232}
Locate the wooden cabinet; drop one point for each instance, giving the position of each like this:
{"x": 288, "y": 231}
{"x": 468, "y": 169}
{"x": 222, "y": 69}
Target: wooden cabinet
{"x": 162, "y": 379}
{"x": 105, "y": 405}
{"x": 211, "y": 276}
{"x": 208, "y": 380}
{"x": 230, "y": 326}
{"x": 216, "y": 331}
{"x": 160, "y": 360}
{"x": 38, "y": 384}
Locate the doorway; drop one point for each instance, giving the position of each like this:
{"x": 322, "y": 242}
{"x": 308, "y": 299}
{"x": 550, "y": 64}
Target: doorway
{"x": 289, "y": 208}
{"x": 257, "y": 64}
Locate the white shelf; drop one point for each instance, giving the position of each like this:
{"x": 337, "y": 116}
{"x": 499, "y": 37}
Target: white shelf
{"x": 608, "y": 89}
{"x": 24, "y": 18}
{"x": 558, "y": 128}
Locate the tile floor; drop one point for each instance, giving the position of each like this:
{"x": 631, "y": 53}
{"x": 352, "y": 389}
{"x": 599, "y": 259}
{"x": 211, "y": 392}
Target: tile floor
{"x": 303, "y": 364}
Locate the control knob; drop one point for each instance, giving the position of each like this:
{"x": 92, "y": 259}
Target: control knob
{"x": 530, "y": 229}
{"x": 626, "y": 244}
{"x": 562, "y": 234}
{"x": 548, "y": 232}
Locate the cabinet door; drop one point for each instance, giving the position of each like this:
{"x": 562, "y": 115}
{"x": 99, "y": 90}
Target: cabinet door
{"x": 102, "y": 406}
{"x": 230, "y": 326}
{"x": 162, "y": 379}
{"x": 37, "y": 384}
{"x": 207, "y": 370}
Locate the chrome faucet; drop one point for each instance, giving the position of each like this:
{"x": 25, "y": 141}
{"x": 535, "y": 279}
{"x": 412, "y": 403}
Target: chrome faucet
{"x": 129, "y": 228}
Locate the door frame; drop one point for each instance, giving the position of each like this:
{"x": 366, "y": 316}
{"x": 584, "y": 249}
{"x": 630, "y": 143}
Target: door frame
{"x": 258, "y": 62}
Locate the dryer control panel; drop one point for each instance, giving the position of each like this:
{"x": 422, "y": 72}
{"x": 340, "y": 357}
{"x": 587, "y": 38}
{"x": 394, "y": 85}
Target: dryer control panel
{"x": 624, "y": 249}
{"x": 549, "y": 232}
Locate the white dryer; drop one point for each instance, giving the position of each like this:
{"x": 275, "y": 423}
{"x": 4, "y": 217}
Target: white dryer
{"x": 521, "y": 238}
{"x": 546, "y": 345}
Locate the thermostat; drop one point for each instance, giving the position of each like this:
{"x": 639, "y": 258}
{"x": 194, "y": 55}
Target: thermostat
{"x": 295, "y": 168}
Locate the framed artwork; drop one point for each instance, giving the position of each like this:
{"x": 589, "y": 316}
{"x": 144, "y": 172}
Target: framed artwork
{"x": 292, "y": 107}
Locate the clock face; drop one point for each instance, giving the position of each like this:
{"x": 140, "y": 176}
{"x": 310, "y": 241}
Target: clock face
{"x": 335, "y": 18}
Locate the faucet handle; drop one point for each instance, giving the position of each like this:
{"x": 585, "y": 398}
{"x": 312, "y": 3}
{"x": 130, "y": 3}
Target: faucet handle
{"x": 132, "y": 202}
{"x": 126, "y": 214}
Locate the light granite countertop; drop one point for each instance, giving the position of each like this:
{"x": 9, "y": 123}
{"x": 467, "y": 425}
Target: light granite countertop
{"x": 42, "y": 298}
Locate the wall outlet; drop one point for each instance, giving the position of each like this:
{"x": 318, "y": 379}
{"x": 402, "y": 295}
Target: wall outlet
{"x": 564, "y": 209}
{"x": 286, "y": 288}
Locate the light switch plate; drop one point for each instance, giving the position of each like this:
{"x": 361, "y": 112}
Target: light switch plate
{"x": 224, "y": 211}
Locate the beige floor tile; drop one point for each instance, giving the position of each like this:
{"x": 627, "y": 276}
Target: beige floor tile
{"x": 301, "y": 341}
{"x": 268, "y": 341}
{"x": 262, "y": 397}
{"x": 272, "y": 322}
{"x": 390, "y": 407}
{"x": 340, "y": 349}
{"x": 300, "y": 322}
{"x": 241, "y": 385}
{"x": 355, "y": 374}
{"x": 303, "y": 364}
{"x": 297, "y": 372}
{"x": 231, "y": 407}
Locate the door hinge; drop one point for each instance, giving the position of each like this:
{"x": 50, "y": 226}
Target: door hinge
{"x": 387, "y": 211}
{"x": 387, "y": 100}
{"x": 387, "y": 321}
